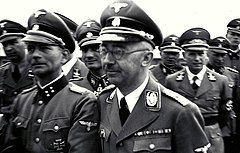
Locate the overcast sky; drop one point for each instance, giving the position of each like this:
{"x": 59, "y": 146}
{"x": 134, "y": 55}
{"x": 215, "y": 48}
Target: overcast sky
{"x": 172, "y": 16}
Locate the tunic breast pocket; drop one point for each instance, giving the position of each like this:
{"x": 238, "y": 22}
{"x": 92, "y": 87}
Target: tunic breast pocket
{"x": 160, "y": 144}
{"x": 55, "y": 134}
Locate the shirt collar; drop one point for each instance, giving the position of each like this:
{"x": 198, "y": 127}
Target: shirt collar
{"x": 67, "y": 66}
{"x": 200, "y": 75}
{"x": 133, "y": 97}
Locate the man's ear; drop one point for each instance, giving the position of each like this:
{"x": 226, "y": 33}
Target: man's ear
{"x": 65, "y": 55}
{"x": 147, "y": 58}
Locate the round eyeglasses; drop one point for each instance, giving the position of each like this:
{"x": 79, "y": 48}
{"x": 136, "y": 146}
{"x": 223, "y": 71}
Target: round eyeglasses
{"x": 117, "y": 53}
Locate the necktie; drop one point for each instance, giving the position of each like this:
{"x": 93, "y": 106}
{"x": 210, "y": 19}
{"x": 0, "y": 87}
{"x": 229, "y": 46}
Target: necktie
{"x": 194, "y": 85}
{"x": 123, "y": 111}
{"x": 16, "y": 74}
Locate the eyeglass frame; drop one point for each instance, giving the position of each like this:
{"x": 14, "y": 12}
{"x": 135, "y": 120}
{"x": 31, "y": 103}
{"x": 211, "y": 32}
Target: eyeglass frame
{"x": 123, "y": 52}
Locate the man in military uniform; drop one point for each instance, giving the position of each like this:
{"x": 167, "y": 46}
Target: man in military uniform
{"x": 73, "y": 68}
{"x": 170, "y": 51}
{"x": 14, "y": 75}
{"x": 218, "y": 49}
{"x": 86, "y": 35}
{"x": 55, "y": 115}
{"x": 140, "y": 115}
{"x": 233, "y": 35}
{"x": 208, "y": 89}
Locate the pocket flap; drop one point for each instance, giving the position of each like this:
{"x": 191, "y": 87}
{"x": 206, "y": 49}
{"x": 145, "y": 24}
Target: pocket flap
{"x": 21, "y": 122}
{"x": 56, "y": 124}
{"x": 151, "y": 145}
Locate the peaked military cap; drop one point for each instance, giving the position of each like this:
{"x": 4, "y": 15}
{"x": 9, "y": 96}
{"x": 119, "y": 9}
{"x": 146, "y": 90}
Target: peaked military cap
{"x": 123, "y": 20}
{"x": 170, "y": 44}
{"x": 234, "y": 26}
{"x": 47, "y": 27}
{"x": 11, "y": 30}
{"x": 219, "y": 44}
{"x": 88, "y": 32}
{"x": 195, "y": 39}
{"x": 70, "y": 23}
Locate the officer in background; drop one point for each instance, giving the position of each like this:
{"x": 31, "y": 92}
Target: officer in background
{"x": 233, "y": 35}
{"x": 55, "y": 115}
{"x": 208, "y": 89}
{"x": 218, "y": 49}
{"x": 15, "y": 75}
{"x": 140, "y": 115}
{"x": 86, "y": 36}
{"x": 170, "y": 52}
{"x": 73, "y": 68}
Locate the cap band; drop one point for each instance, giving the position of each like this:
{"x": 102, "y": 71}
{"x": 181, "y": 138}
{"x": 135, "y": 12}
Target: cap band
{"x": 236, "y": 30}
{"x": 10, "y": 36}
{"x": 220, "y": 49}
{"x": 124, "y": 34}
{"x": 49, "y": 38}
{"x": 170, "y": 48}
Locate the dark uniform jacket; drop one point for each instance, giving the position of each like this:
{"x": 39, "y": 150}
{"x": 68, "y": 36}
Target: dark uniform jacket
{"x": 92, "y": 82}
{"x": 9, "y": 89}
{"x": 211, "y": 96}
{"x": 160, "y": 72}
{"x": 78, "y": 70}
{"x": 162, "y": 121}
{"x": 61, "y": 118}
{"x": 232, "y": 60}
{"x": 233, "y": 76}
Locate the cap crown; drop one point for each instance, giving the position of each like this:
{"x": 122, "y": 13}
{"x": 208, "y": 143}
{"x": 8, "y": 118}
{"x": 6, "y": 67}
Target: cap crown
{"x": 194, "y": 34}
{"x": 125, "y": 16}
{"x": 88, "y": 30}
{"x": 8, "y": 26}
{"x": 70, "y": 23}
{"x": 51, "y": 23}
{"x": 234, "y": 23}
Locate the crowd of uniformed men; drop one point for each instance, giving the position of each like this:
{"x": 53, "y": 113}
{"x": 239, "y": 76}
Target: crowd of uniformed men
{"x": 114, "y": 99}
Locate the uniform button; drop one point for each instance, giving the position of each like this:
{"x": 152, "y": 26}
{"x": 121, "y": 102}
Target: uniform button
{"x": 37, "y": 140}
{"x": 151, "y": 146}
{"x": 15, "y": 92}
{"x": 120, "y": 144}
{"x": 40, "y": 102}
{"x": 56, "y": 127}
{"x": 19, "y": 123}
{"x": 39, "y": 121}
{"x": 218, "y": 134}
{"x": 195, "y": 98}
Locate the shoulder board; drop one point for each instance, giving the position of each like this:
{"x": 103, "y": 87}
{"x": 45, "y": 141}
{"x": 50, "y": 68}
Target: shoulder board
{"x": 152, "y": 66}
{"x": 29, "y": 89}
{"x": 179, "y": 98}
{"x": 5, "y": 64}
{"x": 107, "y": 88}
{"x": 232, "y": 70}
{"x": 76, "y": 88}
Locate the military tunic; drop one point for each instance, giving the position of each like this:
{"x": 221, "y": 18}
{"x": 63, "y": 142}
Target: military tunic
{"x": 77, "y": 71}
{"x": 162, "y": 121}
{"x": 160, "y": 72}
{"x": 211, "y": 97}
{"x": 62, "y": 117}
{"x": 9, "y": 89}
{"x": 92, "y": 82}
